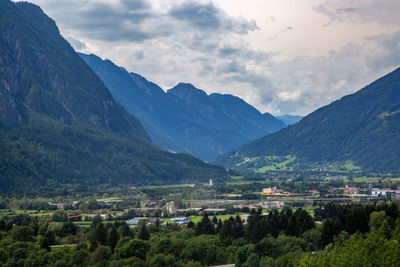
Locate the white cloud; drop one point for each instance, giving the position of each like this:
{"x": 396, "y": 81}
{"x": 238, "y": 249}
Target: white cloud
{"x": 219, "y": 49}
{"x": 384, "y": 12}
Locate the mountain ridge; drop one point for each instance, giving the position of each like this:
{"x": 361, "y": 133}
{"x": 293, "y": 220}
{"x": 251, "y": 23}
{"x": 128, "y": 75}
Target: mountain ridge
{"x": 290, "y": 119}
{"x": 362, "y": 127}
{"x": 185, "y": 118}
{"x": 60, "y": 125}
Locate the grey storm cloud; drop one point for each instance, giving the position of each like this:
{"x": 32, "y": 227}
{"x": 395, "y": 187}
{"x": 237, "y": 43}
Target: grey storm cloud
{"x": 210, "y": 17}
{"x": 199, "y": 15}
{"x": 102, "y": 20}
{"x": 137, "y": 20}
{"x": 135, "y": 4}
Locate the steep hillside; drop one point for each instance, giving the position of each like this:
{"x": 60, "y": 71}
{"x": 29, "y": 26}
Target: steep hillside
{"x": 58, "y": 122}
{"x": 363, "y": 127}
{"x": 185, "y": 119}
{"x": 289, "y": 119}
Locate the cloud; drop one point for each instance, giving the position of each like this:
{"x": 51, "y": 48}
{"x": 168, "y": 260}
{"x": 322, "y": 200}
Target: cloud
{"x": 135, "y": 4}
{"x": 384, "y": 12}
{"x": 305, "y": 83}
{"x": 173, "y": 41}
{"x": 137, "y": 20}
{"x": 207, "y": 16}
{"x": 77, "y": 44}
{"x": 110, "y": 21}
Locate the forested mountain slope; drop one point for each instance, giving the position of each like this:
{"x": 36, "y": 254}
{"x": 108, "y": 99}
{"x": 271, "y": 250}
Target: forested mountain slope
{"x": 363, "y": 127}
{"x": 59, "y": 124}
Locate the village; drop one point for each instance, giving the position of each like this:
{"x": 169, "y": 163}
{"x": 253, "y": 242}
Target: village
{"x": 153, "y": 210}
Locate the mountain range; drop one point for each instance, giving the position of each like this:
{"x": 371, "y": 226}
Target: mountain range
{"x": 289, "y": 119}
{"x": 185, "y": 118}
{"x": 362, "y": 128}
{"x": 59, "y": 124}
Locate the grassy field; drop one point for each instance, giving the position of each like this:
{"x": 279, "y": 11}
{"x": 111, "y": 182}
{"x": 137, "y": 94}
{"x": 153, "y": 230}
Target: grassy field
{"x": 167, "y": 186}
{"x": 281, "y": 166}
{"x": 246, "y": 182}
{"x": 236, "y": 177}
{"x": 365, "y": 179}
{"x": 85, "y": 224}
{"x": 196, "y": 219}
{"x": 347, "y": 167}
{"x": 19, "y": 211}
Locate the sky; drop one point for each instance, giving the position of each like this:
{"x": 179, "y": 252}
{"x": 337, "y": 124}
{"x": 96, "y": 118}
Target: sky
{"x": 283, "y": 57}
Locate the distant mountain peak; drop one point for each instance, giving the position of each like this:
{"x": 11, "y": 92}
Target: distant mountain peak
{"x": 185, "y": 118}
{"x": 186, "y": 90}
{"x": 289, "y": 119}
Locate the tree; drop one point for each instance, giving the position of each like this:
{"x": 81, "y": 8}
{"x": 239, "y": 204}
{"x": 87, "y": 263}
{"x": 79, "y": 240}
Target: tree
{"x": 191, "y": 225}
{"x": 113, "y": 238}
{"x": 205, "y": 249}
{"x": 256, "y": 227}
{"x": 80, "y": 257}
{"x": 97, "y": 236}
{"x": 96, "y": 221}
{"x": 101, "y": 253}
{"x": 68, "y": 228}
{"x": 47, "y": 240}
{"x": 127, "y": 248}
{"x": 238, "y": 227}
{"x": 162, "y": 260}
{"x": 21, "y": 233}
{"x": 242, "y": 254}
{"x": 376, "y": 219}
{"x": 2, "y": 225}
{"x": 124, "y": 230}
{"x": 60, "y": 216}
{"x": 300, "y": 222}
{"x": 252, "y": 261}
{"x": 215, "y": 219}
{"x": 205, "y": 226}
{"x": 143, "y": 232}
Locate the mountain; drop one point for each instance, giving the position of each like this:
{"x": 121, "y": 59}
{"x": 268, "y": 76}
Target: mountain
{"x": 289, "y": 119}
{"x": 363, "y": 128}
{"x": 60, "y": 125}
{"x": 185, "y": 118}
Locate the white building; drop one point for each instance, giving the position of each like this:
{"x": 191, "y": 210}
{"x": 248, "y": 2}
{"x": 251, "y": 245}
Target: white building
{"x": 180, "y": 220}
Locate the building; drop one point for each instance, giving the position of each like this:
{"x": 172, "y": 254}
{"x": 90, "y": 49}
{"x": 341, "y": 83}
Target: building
{"x": 350, "y": 191}
{"x": 170, "y": 207}
{"x": 150, "y": 220}
{"x": 384, "y": 192}
{"x": 272, "y": 204}
{"x": 180, "y": 220}
{"x": 63, "y": 205}
{"x": 274, "y": 192}
{"x": 210, "y": 183}
{"x": 269, "y": 190}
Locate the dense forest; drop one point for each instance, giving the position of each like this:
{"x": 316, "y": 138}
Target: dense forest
{"x": 349, "y": 235}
